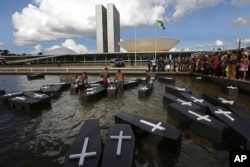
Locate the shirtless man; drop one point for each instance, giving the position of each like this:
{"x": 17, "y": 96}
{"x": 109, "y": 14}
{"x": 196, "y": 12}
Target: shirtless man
{"x": 119, "y": 79}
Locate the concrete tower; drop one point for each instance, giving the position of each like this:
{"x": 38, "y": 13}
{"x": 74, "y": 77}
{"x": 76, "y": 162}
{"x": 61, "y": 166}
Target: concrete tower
{"x": 101, "y": 29}
{"x": 113, "y": 22}
{"x": 107, "y": 28}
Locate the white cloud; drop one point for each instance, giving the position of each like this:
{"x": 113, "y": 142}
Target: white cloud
{"x": 218, "y": 43}
{"x": 50, "y": 20}
{"x": 38, "y": 48}
{"x": 70, "y": 44}
{"x": 183, "y": 7}
{"x": 242, "y": 21}
{"x": 241, "y": 3}
{"x": 245, "y": 42}
{"x": 1, "y": 43}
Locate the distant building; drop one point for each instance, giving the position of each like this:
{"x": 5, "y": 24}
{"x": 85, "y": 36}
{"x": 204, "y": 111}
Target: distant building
{"x": 107, "y": 28}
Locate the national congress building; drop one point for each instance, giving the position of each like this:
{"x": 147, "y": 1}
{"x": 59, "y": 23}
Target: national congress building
{"x": 108, "y": 35}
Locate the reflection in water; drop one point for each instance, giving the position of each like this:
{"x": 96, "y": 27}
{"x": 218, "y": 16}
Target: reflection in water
{"x": 43, "y": 139}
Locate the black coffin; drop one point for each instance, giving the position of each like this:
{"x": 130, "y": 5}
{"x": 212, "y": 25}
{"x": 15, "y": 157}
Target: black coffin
{"x": 68, "y": 78}
{"x": 93, "y": 94}
{"x": 119, "y": 147}
{"x": 199, "y": 101}
{"x": 198, "y": 79}
{"x": 43, "y": 98}
{"x": 241, "y": 113}
{"x": 35, "y": 76}
{"x": 4, "y": 99}
{"x": 230, "y": 105}
{"x": 74, "y": 89}
{"x": 198, "y": 122}
{"x": 51, "y": 90}
{"x": 168, "y": 80}
{"x": 64, "y": 85}
{"x": 90, "y": 132}
{"x": 112, "y": 90}
{"x": 143, "y": 81}
{"x": 94, "y": 84}
{"x": 231, "y": 90}
{"x": 176, "y": 90}
{"x": 239, "y": 132}
{"x": 168, "y": 98}
{"x": 24, "y": 104}
{"x": 130, "y": 83}
{"x": 218, "y": 101}
{"x": 2, "y": 92}
{"x": 144, "y": 91}
{"x": 163, "y": 137}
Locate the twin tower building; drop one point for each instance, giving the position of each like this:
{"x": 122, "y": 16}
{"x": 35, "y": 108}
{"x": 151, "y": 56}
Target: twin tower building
{"x": 107, "y": 28}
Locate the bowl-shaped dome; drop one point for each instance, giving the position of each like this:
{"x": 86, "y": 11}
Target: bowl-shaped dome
{"x": 148, "y": 44}
{"x": 61, "y": 51}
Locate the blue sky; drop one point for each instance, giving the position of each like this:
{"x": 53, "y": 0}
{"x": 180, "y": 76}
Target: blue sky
{"x": 32, "y": 26}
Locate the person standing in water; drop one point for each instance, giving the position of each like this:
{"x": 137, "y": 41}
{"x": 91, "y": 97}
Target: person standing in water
{"x": 119, "y": 80}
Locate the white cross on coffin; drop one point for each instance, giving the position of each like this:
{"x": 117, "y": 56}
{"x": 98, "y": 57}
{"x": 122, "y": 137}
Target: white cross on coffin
{"x": 11, "y": 94}
{"x": 225, "y": 113}
{"x": 144, "y": 88}
{"x": 231, "y": 102}
{"x": 180, "y": 89}
{"x": 197, "y": 100}
{"x": 19, "y": 98}
{"x": 112, "y": 87}
{"x": 168, "y": 78}
{"x": 38, "y": 95}
{"x": 155, "y": 126}
{"x": 94, "y": 84}
{"x": 46, "y": 87}
{"x": 90, "y": 92}
{"x": 200, "y": 117}
{"x": 232, "y": 87}
{"x": 184, "y": 102}
{"x": 83, "y": 154}
{"x": 131, "y": 81}
{"x": 119, "y": 145}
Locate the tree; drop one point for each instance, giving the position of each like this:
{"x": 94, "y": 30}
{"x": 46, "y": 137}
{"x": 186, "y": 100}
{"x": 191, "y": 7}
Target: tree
{"x": 5, "y": 52}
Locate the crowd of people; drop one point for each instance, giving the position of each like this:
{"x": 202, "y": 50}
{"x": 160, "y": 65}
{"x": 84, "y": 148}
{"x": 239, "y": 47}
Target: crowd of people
{"x": 169, "y": 65}
{"x": 232, "y": 65}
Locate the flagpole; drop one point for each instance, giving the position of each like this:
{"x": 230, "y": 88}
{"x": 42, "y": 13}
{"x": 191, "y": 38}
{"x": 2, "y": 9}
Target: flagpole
{"x": 155, "y": 42}
{"x": 135, "y": 43}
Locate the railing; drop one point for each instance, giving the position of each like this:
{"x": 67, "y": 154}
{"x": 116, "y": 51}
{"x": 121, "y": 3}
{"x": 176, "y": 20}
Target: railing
{"x": 67, "y": 70}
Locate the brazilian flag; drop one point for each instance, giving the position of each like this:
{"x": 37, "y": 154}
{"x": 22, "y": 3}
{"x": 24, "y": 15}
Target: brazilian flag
{"x": 160, "y": 24}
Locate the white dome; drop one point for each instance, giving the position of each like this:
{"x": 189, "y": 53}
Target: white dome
{"x": 61, "y": 51}
{"x": 148, "y": 44}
